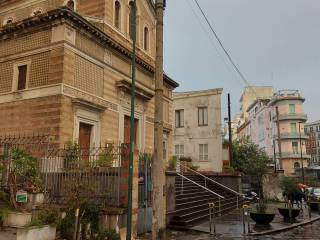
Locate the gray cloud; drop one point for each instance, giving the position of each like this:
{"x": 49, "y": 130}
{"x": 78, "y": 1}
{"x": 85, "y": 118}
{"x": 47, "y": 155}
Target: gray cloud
{"x": 274, "y": 42}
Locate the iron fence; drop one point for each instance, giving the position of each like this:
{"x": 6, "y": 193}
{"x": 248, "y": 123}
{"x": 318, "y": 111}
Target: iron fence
{"x": 93, "y": 173}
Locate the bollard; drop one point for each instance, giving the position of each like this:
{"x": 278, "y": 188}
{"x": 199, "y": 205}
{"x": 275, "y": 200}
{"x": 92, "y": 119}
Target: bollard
{"x": 249, "y": 230}
{"x": 76, "y": 224}
{"x": 290, "y": 212}
{"x": 211, "y": 218}
{"x": 309, "y": 210}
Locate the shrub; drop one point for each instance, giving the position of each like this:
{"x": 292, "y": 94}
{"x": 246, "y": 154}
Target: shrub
{"x": 108, "y": 235}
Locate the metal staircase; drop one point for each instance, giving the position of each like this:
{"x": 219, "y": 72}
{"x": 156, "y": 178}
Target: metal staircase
{"x": 194, "y": 192}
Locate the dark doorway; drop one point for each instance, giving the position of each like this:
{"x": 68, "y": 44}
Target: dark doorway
{"x": 85, "y": 135}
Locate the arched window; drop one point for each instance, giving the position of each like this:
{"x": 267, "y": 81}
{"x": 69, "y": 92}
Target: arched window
{"x": 146, "y": 39}
{"x": 70, "y": 5}
{"x": 296, "y": 165}
{"x": 117, "y": 14}
{"x": 131, "y": 20}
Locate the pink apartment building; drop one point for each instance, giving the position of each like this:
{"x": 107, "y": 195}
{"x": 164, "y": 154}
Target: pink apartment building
{"x": 284, "y": 146}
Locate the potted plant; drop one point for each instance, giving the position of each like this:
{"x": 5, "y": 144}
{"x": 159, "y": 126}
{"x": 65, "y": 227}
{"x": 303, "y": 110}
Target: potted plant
{"x": 172, "y": 163}
{"x": 291, "y": 193}
{"x": 106, "y": 158}
{"x": 261, "y": 216}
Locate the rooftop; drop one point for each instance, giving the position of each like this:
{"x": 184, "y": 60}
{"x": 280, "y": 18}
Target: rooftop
{"x": 207, "y": 92}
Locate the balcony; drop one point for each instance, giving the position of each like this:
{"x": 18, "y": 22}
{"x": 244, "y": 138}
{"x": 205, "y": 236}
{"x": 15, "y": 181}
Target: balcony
{"x": 292, "y": 116}
{"x": 292, "y": 136}
{"x": 293, "y": 155}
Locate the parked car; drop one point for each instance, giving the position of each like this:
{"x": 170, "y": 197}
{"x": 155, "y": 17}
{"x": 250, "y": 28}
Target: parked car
{"x": 315, "y": 194}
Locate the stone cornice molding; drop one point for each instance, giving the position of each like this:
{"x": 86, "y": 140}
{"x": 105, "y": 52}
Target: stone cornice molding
{"x": 74, "y": 19}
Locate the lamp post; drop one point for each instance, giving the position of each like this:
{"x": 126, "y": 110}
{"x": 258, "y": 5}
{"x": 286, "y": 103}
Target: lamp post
{"x": 301, "y": 157}
{"x": 133, "y": 15}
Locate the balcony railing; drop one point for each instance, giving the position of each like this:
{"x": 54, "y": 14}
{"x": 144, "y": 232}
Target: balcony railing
{"x": 293, "y": 155}
{"x": 292, "y": 136}
{"x": 292, "y": 116}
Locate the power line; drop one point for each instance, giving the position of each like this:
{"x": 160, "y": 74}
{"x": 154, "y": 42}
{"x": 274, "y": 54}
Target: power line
{"x": 223, "y": 48}
{"x": 210, "y": 39}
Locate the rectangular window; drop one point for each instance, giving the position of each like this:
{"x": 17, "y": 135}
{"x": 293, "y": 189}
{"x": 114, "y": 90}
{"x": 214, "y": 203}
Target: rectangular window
{"x": 293, "y": 127}
{"x": 203, "y": 152}
{"x": 202, "y": 116}
{"x": 292, "y": 108}
{"x": 22, "y": 77}
{"x": 179, "y": 118}
{"x": 295, "y": 149}
{"x": 179, "y": 151}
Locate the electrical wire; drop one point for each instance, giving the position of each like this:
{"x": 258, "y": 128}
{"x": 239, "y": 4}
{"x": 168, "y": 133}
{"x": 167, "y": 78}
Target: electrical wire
{"x": 223, "y": 48}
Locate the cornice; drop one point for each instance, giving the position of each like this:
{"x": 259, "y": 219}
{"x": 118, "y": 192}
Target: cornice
{"x": 66, "y": 15}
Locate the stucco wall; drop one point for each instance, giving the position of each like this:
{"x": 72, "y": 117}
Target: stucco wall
{"x": 191, "y": 135}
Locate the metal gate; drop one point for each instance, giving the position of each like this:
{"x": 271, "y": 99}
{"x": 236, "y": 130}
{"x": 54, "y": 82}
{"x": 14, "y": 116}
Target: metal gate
{"x": 145, "y": 194}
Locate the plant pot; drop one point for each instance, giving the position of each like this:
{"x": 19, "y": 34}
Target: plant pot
{"x": 262, "y": 218}
{"x": 285, "y": 212}
{"x": 17, "y": 219}
{"x": 314, "y": 206}
{"x": 37, "y": 233}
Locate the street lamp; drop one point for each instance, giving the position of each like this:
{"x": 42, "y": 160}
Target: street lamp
{"x": 301, "y": 157}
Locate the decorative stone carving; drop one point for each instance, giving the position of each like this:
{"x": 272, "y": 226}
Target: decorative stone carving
{"x": 108, "y": 57}
{"x": 75, "y": 93}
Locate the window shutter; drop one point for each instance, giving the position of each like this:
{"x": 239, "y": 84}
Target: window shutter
{"x": 22, "y": 78}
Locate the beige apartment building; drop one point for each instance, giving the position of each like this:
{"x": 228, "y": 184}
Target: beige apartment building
{"x": 66, "y": 71}
{"x": 197, "y": 131}
{"x": 250, "y": 94}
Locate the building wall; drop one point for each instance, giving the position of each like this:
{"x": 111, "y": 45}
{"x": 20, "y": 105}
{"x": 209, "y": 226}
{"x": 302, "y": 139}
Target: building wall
{"x": 191, "y": 135}
{"x": 250, "y": 94}
{"x": 313, "y": 142}
{"x": 70, "y": 63}
{"x": 261, "y": 128}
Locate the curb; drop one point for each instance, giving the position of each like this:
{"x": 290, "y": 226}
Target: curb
{"x": 284, "y": 228}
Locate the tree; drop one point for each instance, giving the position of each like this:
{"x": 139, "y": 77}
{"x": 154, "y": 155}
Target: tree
{"x": 251, "y": 160}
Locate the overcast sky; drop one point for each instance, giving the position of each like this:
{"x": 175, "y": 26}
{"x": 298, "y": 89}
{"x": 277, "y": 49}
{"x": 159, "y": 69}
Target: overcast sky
{"x": 273, "y": 42}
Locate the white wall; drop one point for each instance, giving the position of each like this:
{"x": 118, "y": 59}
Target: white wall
{"x": 191, "y": 135}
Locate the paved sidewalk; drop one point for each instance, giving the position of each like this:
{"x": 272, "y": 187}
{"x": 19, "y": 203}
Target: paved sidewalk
{"x": 231, "y": 225}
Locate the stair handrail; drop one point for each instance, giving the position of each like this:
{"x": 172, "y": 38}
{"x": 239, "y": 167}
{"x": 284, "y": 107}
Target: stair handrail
{"x": 207, "y": 189}
{"x": 215, "y": 182}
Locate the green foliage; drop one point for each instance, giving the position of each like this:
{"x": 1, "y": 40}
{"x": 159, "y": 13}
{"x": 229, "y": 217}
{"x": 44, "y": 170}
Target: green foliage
{"x": 194, "y": 167}
{"x": 249, "y": 159}
{"x": 91, "y": 211}
{"x": 49, "y": 216}
{"x": 108, "y": 235}
{"x": 262, "y": 206}
{"x": 228, "y": 169}
{"x": 288, "y": 184}
{"x": 72, "y": 153}
{"x": 173, "y": 163}
{"x": 3, "y": 214}
{"x": 66, "y": 226}
{"x": 26, "y": 169}
{"x": 107, "y": 157}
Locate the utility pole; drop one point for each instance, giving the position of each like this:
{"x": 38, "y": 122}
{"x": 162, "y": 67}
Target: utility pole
{"x": 274, "y": 156}
{"x": 279, "y": 138}
{"x": 301, "y": 157}
{"x": 230, "y": 131}
{"x": 131, "y": 153}
{"x": 158, "y": 167}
